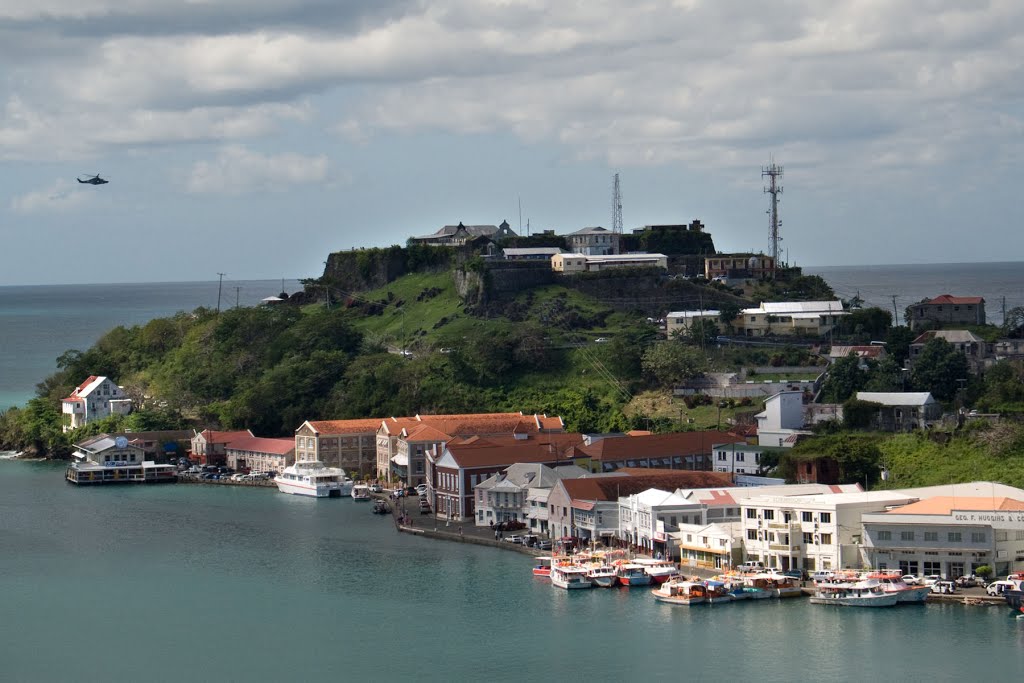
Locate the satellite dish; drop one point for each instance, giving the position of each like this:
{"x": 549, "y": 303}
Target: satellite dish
{"x": 121, "y": 442}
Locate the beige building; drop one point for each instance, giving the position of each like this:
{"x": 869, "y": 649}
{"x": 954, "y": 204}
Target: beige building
{"x": 349, "y": 444}
{"x": 739, "y": 266}
{"x": 790, "y": 318}
{"x": 258, "y": 454}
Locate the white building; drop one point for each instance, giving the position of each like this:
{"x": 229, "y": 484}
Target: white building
{"x": 790, "y": 318}
{"x": 725, "y": 504}
{"x": 709, "y": 546}
{"x": 737, "y": 458}
{"x": 94, "y": 399}
{"x": 646, "y": 519}
{"x": 811, "y": 532}
{"x": 782, "y": 420}
{"x": 680, "y": 321}
{"x": 520, "y": 493}
{"x": 591, "y": 241}
{"x": 578, "y": 263}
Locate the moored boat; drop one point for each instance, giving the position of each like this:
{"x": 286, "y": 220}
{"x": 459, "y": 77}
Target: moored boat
{"x": 892, "y": 582}
{"x": 631, "y": 574}
{"x": 717, "y": 592}
{"x": 681, "y": 592}
{"x": 313, "y": 478}
{"x": 858, "y": 594}
{"x": 543, "y": 567}
{"x": 602, "y": 575}
{"x": 660, "y": 571}
{"x": 569, "y": 576}
{"x": 360, "y": 492}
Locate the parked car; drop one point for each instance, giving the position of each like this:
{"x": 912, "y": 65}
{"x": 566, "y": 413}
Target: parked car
{"x": 967, "y": 581}
{"x": 751, "y": 567}
{"x": 821, "y": 576}
{"x": 1000, "y": 587}
{"x": 911, "y": 579}
{"x": 421, "y": 489}
{"x": 530, "y": 540}
{"x": 930, "y": 580}
{"x": 544, "y": 545}
{"x": 376, "y": 488}
{"x": 946, "y": 587}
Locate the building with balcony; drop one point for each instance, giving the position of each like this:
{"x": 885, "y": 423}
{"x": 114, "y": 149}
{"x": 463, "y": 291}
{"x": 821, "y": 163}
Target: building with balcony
{"x": 94, "y": 399}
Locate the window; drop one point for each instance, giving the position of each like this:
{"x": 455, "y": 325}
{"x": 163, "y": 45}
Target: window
{"x": 954, "y": 537}
{"x": 825, "y": 517}
{"x": 739, "y": 457}
{"x": 769, "y": 514}
{"x": 906, "y": 535}
{"x": 978, "y": 536}
{"x": 751, "y": 513}
{"x": 932, "y": 536}
{"x": 826, "y": 539}
{"x": 932, "y": 567}
{"x": 751, "y": 534}
{"x": 884, "y": 536}
{"x": 808, "y": 538}
{"x": 806, "y": 517}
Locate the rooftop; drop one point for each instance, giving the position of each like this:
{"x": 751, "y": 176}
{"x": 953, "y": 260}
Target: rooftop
{"x": 944, "y": 505}
{"x": 956, "y": 300}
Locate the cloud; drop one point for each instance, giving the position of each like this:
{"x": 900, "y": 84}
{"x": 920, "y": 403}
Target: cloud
{"x": 238, "y": 170}
{"x": 61, "y": 197}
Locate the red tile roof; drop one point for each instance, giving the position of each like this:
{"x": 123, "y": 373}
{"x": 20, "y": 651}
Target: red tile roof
{"x": 614, "y": 449}
{"x": 212, "y": 436}
{"x": 950, "y": 299}
{"x": 362, "y": 426}
{"x": 944, "y": 505}
{"x": 258, "y": 444}
{"x": 610, "y": 488}
{"x": 482, "y": 452}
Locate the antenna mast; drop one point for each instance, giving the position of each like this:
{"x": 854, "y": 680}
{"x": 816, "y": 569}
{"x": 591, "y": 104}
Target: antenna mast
{"x": 616, "y": 206}
{"x": 773, "y": 173}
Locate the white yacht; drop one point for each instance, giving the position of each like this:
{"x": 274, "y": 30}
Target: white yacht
{"x": 313, "y": 478}
{"x": 361, "y": 492}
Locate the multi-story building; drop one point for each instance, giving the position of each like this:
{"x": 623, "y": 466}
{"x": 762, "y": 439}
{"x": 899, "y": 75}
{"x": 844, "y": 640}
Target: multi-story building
{"x": 458, "y": 235}
{"x": 812, "y": 533}
{"x": 647, "y": 518}
{"x": 677, "y": 451}
{"x": 948, "y": 535}
{"x": 781, "y": 422}
{"x": 209, "y": 447}
{"x": 530, "y": 253}
{"x": 579, "y": 263}
{"x": 708, "y": 546}
{"x": 903, "y": 411}
{"x": 349, "y": 444}
{"x": 739, "y": 266}
{"x": 814, "y": 319}
{"x": 520, "y": 493}
{"x": 260, "y": 454}
{"x": 94, "y": 399}
{"x": 739, "y": 457}
{"x": 947, "y": 310}
{"x": 679, "y": 322}
{"x": 593, "y": 241}
{"x": 978, "y": 352}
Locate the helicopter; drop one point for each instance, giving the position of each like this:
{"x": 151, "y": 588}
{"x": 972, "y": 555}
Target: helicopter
{"x": 93, "y": 180}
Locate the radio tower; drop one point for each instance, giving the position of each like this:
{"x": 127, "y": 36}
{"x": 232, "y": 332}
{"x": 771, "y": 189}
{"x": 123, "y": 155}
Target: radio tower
{"x": 616, "y": 206}
{"x": 773, "y": 173}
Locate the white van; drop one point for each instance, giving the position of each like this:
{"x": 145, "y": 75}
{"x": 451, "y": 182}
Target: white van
{"x": 751, "y": 567}
{"x": 1000, "y": 587}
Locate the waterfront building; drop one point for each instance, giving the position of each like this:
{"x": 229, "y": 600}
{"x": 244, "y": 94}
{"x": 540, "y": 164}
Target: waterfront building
{"x": 708, "y": 546}
{"x": 790, "y": 318}
{"x": 903, "y": 411}
{"x": 94, "y": 399}
{"x": 402, "y": 447}
{"x": 105, "y": 459}
{"x": 348, "y": 444}
{"x": 259, "y": 454}
{"x": 209, "y": 447}
{"x": 781, "y": 422}
{"x": 647, "y": 518}
{"x": 947, "y": 310}
{"x": 587, "y": 508}
{"x": 812, "y": 533}
{"x": 723, "y": 504}
{"x": 739, "y": 266}
{"x": 160, "y": 444}
{"x": 456, "y": 468}
{"x": 519, "y": 493}
{"x": 947, "y": 535}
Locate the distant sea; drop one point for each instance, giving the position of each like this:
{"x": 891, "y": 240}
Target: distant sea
{"x": 39, "y": 323}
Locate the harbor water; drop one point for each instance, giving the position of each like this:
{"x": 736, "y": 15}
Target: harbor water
{"x": 215, "y": 583}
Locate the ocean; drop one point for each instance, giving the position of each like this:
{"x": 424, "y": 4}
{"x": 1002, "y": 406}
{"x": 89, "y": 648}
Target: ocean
{"x": 39, "y": 323}
{"x": 193, "y": 582}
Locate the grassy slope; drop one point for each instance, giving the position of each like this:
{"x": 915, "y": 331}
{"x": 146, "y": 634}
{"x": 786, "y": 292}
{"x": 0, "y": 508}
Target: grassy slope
{"x": 915, "y": 460}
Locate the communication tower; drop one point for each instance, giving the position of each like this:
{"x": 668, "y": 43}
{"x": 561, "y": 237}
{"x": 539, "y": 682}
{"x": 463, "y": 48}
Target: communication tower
{"x": 773, "y": 173}
{"x": 616, "y": 206}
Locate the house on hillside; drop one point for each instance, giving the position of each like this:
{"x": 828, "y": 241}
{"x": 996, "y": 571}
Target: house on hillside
{"x": 739, "y": 267}
{"x": 781, "y": 422}
{"x": 679, "y": 322}
{"x": 459, "y": 235}
{"x": 530, "y": 253}
{"x": 593, "y": 241}
{"x": 592, "y": 263}
{"x": 874, "y": 352}
{"x": 978, "y": 352}
{"x": 94, "y": 399}
{"x": 947, "y": 310}
{"x": 903, "y": 411}
{"x": 790, "y": 318}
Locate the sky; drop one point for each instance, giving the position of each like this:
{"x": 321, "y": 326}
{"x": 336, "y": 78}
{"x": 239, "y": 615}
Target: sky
{"x": 255, "y": 137}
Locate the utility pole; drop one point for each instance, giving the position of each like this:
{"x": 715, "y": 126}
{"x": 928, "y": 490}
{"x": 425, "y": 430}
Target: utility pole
{"x": 220, "y": 284}
{"x": 1004, "y": 311}
{"x": 895, "y": 315}
{"x": 237, "y": 290}
{"x": 616, "y": 205}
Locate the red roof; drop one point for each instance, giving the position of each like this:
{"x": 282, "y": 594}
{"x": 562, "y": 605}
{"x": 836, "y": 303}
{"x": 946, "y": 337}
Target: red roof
{"x": 258, "y": 444}
{"x": 950, "y": 299}
{"x": 547, "y": 448}
{"x": 363, "y": 426}
{"x": 614, "y": 449}
{"x": 610, "y": 488}
{"x": 212, "y": 436}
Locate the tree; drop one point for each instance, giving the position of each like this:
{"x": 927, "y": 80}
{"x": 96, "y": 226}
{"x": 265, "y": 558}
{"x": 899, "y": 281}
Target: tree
{"x": 939, "y": 368}
{"x": 869, "y": 322}
{"x": 669, "y": 364}
{"x": 728, "y": 312}
{"x": 845, "y": 378}
{"x": 885, "y": 375}
{"x": 858, "y": 414}
{"x": 700, "y": 332}
{"x": 897, "y": 343}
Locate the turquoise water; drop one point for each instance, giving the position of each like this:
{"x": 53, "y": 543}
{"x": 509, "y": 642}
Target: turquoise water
{"x": 191, "y": 582}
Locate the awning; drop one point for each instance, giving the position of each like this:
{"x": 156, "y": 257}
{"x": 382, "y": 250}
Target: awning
{"x": 401, "y": 460}
{"x": 700, "y": 548}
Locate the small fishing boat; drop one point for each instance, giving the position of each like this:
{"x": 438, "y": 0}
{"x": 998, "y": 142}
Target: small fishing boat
{"x": 681, "y": 592}
{"x": 631, "y": 574}
{"x": 602, "y": 575}
{"x": 569, "y": 576}
{"x": 892, "y": 582}
{"x": 660, "y": 571}
{"x": 717, "y": 592}
{"x": 543, "y": 567}
{"x": 360, "y": 492}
